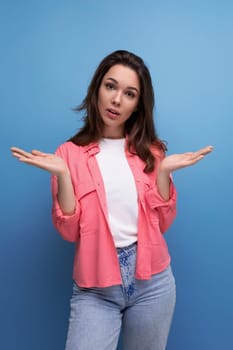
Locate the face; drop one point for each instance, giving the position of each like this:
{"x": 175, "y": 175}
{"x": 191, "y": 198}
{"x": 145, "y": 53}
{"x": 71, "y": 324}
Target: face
{"x": 118, "y": 98}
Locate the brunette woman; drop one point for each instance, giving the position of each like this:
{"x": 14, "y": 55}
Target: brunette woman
{"x": 113, "y": 196}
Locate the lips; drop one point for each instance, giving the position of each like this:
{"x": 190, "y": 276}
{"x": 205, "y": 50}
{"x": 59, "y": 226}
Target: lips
{"x": 112, "y": 113}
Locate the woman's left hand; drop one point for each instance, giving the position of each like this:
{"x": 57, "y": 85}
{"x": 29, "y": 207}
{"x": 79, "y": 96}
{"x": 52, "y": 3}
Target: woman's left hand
{"x": 179, "y": 161}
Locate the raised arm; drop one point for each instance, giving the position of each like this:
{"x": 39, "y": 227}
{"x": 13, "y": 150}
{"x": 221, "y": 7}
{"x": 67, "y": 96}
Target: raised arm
{"x": 56, "y": 166}
{"x": 174, "y": 162}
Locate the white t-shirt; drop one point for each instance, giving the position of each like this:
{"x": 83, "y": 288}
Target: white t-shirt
{"x": 120, "y": 188}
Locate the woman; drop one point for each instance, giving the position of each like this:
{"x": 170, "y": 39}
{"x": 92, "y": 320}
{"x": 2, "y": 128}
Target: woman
{"x": 114, "y": 197}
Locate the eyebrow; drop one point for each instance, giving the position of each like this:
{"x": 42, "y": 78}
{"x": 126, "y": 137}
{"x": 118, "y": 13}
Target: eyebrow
{"x": 129, "y": 87}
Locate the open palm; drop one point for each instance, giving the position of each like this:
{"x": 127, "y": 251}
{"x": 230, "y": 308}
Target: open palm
{"x": 178, "y": 161}
{"x": 46, "y": 161}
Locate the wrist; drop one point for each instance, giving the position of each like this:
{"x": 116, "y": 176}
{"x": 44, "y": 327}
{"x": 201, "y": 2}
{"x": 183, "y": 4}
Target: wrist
{"x": 63, "y": 174}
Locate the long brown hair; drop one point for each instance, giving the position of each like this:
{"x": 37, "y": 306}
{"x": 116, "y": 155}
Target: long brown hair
{"x": 139, "y": 127}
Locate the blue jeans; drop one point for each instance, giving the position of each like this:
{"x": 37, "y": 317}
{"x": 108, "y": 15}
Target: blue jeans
{"x": 143, "y": 308}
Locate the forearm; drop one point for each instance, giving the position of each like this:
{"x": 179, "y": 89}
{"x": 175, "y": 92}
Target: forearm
{"x": 163, "y": 183}
{"x": 65, "y": 195}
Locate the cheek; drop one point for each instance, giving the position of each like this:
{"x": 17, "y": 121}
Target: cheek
{"x": 102, "y": 98}
{"x": 132, "y": 107}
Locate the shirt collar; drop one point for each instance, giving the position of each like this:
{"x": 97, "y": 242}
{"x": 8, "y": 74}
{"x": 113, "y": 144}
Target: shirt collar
{"x": 92, "y": 148}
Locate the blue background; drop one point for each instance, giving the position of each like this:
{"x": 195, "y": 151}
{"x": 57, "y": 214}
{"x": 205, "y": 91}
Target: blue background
{"x": 49, "y": 51}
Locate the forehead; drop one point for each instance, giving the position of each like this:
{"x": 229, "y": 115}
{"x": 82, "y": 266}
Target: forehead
{"x": 124, "y": 75}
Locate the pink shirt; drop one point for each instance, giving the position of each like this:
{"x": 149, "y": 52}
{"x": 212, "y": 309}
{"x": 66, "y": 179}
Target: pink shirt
{"x": 96, "y": 262}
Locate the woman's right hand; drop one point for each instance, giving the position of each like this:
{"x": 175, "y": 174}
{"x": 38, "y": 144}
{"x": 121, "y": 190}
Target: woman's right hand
{"x": 46, "y": 161}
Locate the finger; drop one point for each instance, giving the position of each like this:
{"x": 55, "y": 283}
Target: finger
{"x": 197, "y": 159}
{"x": 38, "y": 153}
{"x": 201, "y": 152}
{"x": 13, "y": 148}
{"x": 20, "y": 152}
{"x": 18, "y": 155}
{"x": 39, "y": 164}
{"x": 34, "y": 162}
{"x": 205, "y": 150}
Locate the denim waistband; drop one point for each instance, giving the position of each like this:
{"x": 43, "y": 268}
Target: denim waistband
{"x": 127, "y": 248}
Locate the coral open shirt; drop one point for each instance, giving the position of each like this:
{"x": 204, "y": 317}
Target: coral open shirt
{"x": 96, "y": 262}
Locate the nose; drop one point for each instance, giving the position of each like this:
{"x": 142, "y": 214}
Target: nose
{"x": 116, "y": 99}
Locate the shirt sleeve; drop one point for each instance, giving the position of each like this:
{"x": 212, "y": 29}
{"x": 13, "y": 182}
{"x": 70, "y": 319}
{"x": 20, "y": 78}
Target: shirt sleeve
{"x": 66, "y": 225}
{"x": 166, "y": 209}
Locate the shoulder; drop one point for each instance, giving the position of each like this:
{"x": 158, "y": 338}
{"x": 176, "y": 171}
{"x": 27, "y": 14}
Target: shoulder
{"x": 67, "y": 146}
{"x": 157, "y": 152}
{"x": 74, "y": 156}
{"x": 69, "y": 150}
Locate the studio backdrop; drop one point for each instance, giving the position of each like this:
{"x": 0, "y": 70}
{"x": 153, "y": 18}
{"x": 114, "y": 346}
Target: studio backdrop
{"x": 49, "y": 51}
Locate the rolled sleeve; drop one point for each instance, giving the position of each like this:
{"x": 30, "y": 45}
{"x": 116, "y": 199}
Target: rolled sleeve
{"x": 166, "y": 209}
{"x": 66, "y": 225}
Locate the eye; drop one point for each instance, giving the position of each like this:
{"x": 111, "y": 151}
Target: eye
{"x": 130, "y": 94}
{"x": 110, "y": 86}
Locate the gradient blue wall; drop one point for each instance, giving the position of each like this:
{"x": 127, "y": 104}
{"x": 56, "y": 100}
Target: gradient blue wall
{"x": 49, "y": 51}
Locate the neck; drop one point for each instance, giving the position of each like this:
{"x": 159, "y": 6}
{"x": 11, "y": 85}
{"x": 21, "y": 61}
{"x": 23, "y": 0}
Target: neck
{"x": 110, "y": 133}
{"x": 113, "y": 138}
